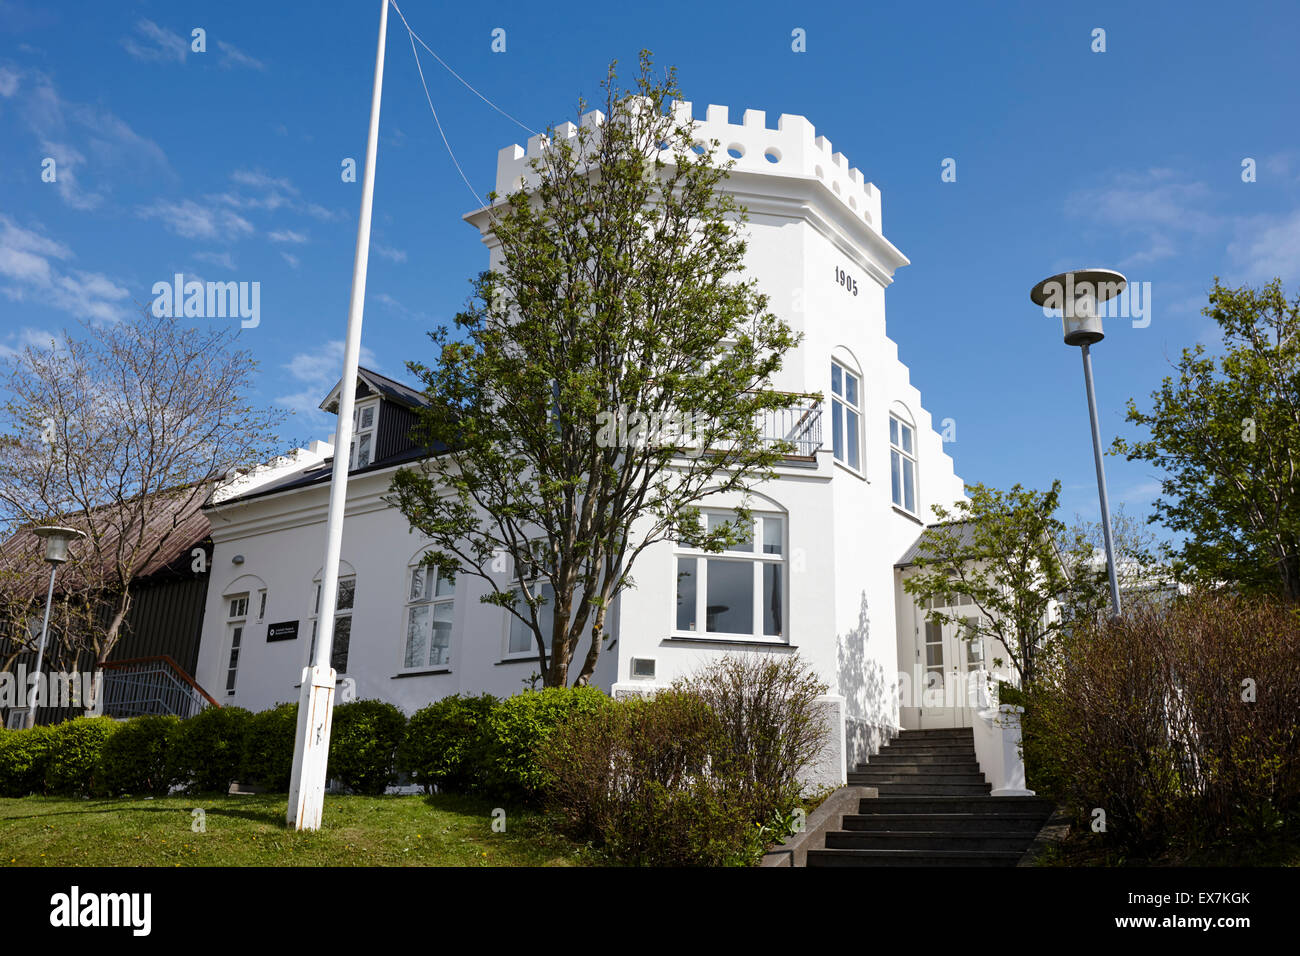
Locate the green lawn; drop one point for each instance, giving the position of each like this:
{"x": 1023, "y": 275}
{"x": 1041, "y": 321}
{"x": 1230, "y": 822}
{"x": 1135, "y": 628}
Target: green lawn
{"x": 442, "y": 830}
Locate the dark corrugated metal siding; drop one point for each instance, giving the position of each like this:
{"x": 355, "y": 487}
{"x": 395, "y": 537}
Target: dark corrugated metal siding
{"x": 394, "y": 430}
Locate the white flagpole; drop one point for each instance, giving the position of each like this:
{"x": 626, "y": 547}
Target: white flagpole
{"x": 316, "y": 702}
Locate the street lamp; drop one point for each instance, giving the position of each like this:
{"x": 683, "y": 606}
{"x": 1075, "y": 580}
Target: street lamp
{"x": 1077, "y": 295}
{"x": 57, "y": 540}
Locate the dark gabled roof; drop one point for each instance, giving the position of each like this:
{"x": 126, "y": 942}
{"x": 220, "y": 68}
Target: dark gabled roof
{"x": 965, "y": 536}
{"x": 380, "y": 385}
{"x": 181, "y": 520}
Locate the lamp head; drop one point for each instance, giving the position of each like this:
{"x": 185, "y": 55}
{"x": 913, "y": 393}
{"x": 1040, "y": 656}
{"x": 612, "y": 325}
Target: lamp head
{"x": 1077, "y": 294}
{"x": 57, "y": 540}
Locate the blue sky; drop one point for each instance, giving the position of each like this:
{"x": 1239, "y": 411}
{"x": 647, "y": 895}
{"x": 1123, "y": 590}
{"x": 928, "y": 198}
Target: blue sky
{"x": 225, "y": 165}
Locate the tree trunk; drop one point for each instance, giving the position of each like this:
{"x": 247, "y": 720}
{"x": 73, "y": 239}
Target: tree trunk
{"x": 593, "y": 652}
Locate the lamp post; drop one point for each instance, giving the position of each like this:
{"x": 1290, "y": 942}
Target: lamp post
{"x": 57, "y": 540}
{"x": 1077, "y": 294}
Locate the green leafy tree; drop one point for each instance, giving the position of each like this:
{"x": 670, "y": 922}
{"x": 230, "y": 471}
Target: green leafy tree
{"x": 999, "y": 549}
{"x": 1226, "y": 430}
{"x": 610, "y": 374}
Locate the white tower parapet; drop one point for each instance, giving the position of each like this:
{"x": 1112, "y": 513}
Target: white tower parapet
{"x": 793, "y": 149}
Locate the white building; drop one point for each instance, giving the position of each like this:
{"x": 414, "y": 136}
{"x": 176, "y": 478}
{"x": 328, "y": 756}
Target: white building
{"x": 833, "y": 525}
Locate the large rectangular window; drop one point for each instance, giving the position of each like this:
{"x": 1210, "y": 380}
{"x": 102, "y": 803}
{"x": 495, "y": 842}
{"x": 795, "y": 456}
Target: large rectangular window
{"x": 846, "y": 415}
{"x": 902, "y": 464}
{"x": 739, "y": 592}
{"x": 430, "y": 604}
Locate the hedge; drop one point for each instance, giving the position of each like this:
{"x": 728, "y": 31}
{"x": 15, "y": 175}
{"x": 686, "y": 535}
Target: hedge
{"x": 364, "y": 737}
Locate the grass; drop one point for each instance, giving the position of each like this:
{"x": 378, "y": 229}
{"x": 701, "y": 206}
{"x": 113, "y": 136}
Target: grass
{"x": 442, "y": 830}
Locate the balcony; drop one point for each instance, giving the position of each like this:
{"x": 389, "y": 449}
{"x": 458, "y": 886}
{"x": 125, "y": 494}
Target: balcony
{"x": 800, "y": 425}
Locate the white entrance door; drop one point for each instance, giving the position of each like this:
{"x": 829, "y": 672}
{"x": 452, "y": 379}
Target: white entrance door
{"x": 951, "y": 674}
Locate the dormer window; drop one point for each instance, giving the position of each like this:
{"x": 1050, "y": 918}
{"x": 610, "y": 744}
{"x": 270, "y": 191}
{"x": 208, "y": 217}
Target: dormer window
{"x": 364, "y": 418}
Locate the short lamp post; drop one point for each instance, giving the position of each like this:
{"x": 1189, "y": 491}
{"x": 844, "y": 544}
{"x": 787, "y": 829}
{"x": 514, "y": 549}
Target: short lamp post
{"x": 56, "y": 552}
{"x": 1077, "y": 295}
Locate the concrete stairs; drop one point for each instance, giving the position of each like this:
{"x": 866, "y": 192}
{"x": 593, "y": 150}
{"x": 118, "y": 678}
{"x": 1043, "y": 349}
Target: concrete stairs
{"x": 934, "y": 809}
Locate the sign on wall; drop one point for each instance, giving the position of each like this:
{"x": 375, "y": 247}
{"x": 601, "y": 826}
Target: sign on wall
{"x": 284, "y": 631}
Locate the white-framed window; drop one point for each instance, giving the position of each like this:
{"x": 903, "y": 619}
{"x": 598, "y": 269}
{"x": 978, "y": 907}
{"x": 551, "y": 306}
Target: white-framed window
{"x": 364, "y": 419}
{"x": 236, "y": 623}
{"x": 520, "y": 641}
{"x": 430, "y": 606}
{"x": 902, "y": 463}
{"x": 347, "y": 591}
{"x": 261, "y": 605}
{"x": 846, "y": 416}
{"x": 739, "y": 592}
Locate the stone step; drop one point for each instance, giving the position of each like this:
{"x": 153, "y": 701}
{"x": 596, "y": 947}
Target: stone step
{"x": 1009, "y": 840}
{"x": 918, "y": 760}
{"x": 911, "y": 766}
{"x": 927, "y": 789}
{"x": 913, "y": 857}
{"x": 1019, "y": 821}
{"x": 965, "y": 733}
{"x": 921, "y": 747}
{"x": 927, "y": 777}
{"x": 954, "y": 804}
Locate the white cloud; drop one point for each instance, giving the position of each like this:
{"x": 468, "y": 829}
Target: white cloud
{"x": 388, "y": 252}
{"x": 232, "y": 56}
{"x": 223, "y": 260}
{"x": 79, "y": 137}
{"x": 33, "y": 265}
{"x": 15, "y": 342}
{"x": 1267, "y": 247}
{"x": 318, "y": 371}
{"x": 160, "y": 44}
{"x": 291, "y": 259}
{"x": 8, "y": 82}
{"x": 193, "y": 221}
{"x": 286, "y": 235}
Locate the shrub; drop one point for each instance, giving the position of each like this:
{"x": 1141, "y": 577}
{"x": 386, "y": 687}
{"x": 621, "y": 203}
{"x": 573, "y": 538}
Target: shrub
{"x": 637, "y": 780}
{"x": 268, "y": 748}
{"x": 769, "y": 712}
{"x": 1178, "y": 722}
{"x": 75, "y": 749}
{"x": 206, "y": 750}
{"x": 135, "y": 759}
{"x": 364, "y": 738}
{"x": 23, "y": 758}
{"x": 444, "y": 744}
{"x": 518, "y": 726}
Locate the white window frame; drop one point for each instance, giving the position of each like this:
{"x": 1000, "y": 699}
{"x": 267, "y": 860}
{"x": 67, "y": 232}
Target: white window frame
{"x": 759, "y": 559}
{"x": 236, "y": 637}
{"x": 897, "y": 454}
{"x": 544, "y": 615}
{"x": 339, "y": 612}
{"x": 840, "y": 431}
{"x": 358, "y": 432}
{"x": 428, "y": 597}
